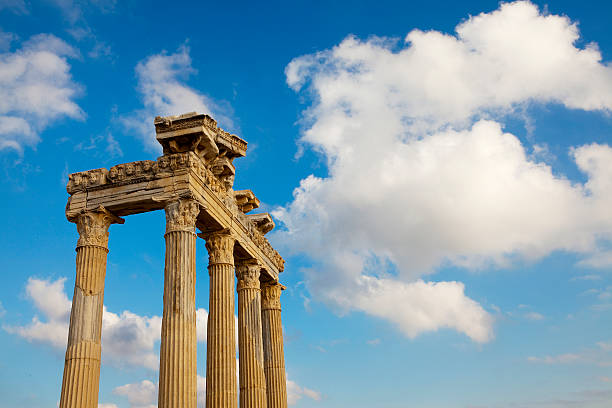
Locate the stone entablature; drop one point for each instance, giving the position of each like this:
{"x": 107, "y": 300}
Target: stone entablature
{"x": 188, "y": 169}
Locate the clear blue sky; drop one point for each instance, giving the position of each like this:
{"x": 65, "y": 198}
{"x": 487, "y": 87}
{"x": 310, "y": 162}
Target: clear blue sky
{"x": 440, "y": 175}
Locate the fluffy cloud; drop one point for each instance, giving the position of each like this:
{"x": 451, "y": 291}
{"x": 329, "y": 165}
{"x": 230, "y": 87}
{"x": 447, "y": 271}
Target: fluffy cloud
{"x": 139, "y": 395}
{"x": 296, "y": 392}
{"x": 36, "y": 88}
{"x": 49, "y": 299}
{"x": 422, "y": 175}
{"x": 127, "y": 338}
{"x": 161, "y": 83}
{"x": 144, "y": 393}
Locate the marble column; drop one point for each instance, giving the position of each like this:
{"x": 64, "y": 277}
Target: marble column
{"x": 250, "y": 343}
{"x": 178, "y": 356}
{"x": 221, "y": 387}
{"x": 274, "y": 358}
{"x": 81, "y": 380}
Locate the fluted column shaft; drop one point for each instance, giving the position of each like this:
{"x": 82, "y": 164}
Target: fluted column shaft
{"x": 81, "y": 380}
{"x": 274, "y": 357}
{"x": 250, "y": 343}
{"x": 221, "y": 389}
{"x": 178, "y": 351}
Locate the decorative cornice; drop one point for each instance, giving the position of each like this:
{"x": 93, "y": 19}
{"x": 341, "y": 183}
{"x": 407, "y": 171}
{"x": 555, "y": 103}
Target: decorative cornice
{"x": 220, "y": 246}
{"x": 93, "y": 226}
{"x": 248, "y": 275}
{"x": 181, "y": 215}
{"x": 270, "y": 295}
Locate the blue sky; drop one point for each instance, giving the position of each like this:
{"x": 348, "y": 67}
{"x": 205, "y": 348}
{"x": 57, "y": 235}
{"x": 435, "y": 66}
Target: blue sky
{"x": 439, "y": 174}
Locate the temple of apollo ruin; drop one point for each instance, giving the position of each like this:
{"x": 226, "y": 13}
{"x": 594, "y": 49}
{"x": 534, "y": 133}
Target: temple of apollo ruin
{"x": 192, "y": 182}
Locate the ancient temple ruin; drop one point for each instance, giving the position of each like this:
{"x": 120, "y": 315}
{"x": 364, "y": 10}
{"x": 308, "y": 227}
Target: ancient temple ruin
{"x": 192, "y": 181}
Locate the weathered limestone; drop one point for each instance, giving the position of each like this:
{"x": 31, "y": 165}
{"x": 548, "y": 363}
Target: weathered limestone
{"x": 178, "y": 355}
{"x": 274, "y": 360}
{"x": 221, "y": 387}
{"x": 193, "y": 182}
{"x": 250, "y": 343}
{"x": 80, "y": 383}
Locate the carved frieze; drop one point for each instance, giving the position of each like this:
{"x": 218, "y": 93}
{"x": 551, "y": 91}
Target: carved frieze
{"x": 93, "y": 227}
{"x": 181, "y": 215}
{"x": 84, "y": 179}
{"x": 131, "y": 171}
{"x": 248, "y": 275}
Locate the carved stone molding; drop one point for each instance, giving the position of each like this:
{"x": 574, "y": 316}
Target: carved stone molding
{"x": 93, "y": 227}
{"x": 181, "y": 215}
{"x": 220, "y": 246}
{"x": 248, "y": 275}
{"x": 82, "y": 180}
{"x": 270, "y": 295}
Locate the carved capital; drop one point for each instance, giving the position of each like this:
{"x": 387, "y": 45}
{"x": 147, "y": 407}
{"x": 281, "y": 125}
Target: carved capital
{"x": 270, "y": 295}
{"x": 181, "y": 215}
{"x": 248, "y": 275}
{"x": 93, "y": 226}
{"x": 220, "y": 246}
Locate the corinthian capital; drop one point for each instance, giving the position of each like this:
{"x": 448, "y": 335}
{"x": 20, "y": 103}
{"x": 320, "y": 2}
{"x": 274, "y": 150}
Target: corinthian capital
{"x": 248, "y": 275}
{"x": 270, "y": 295}
{"x": 181, "y": 215}
{"x": 220, "y": 246}
{"x": 93, "y": 226}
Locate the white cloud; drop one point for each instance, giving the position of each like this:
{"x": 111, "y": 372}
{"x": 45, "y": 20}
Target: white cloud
{"x": 560, "y": 359}
{"x": 161, "y": 83}
{"x": 36, "y": 88}
{"x": 422, "y": 175}
{"x": 107, "y": 406}
{"x": 127, "y": 338}
{"x": 74, "y": 10}
{"x": 144, "y": 394}
{"x": 201, "y": 393}
{"x": 598, "y": 356}
{"x": 296, "y": 392}
{"x": 535, "y": 316}
{"x": 139, "y": 395}
{"x": 49, "y": 299}
{"x": 201, "y": 324}
{"x": 16, "y": 6}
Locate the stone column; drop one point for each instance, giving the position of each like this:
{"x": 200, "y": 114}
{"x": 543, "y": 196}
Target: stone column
{"x": 81, "y": 380}
{"x": 250, "y": 343}
{"x": 178, "y": 356}
{"x": 221, "y": 390}
{"x": 274, "y": 358}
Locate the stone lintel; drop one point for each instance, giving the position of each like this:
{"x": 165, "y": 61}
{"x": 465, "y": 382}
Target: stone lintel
{"x": 137, "y": 187}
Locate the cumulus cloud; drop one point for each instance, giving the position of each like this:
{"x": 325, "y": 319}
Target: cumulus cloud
{"x": 36, "y": 88}
{"x": 50, "y": 300}
{"x": 161, "y": 83}
{"x": 421, "y": 174}
{"x": 128, "y": 339}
